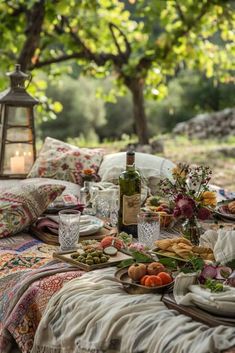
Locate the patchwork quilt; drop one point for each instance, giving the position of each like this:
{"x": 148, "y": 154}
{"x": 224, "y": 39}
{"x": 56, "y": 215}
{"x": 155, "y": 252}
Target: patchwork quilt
{"x": 29, "y": 276}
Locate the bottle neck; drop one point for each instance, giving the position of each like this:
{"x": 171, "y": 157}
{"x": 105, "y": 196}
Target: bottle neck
{"x": 130, "y": 167}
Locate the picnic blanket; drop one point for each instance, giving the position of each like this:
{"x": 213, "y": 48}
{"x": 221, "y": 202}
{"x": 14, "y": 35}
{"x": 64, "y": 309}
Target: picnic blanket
{"x": 28, "y": 278}
{"x": 94, "y": 314}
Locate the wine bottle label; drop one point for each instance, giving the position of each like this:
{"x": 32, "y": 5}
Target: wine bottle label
{"x": 131, "y": 207}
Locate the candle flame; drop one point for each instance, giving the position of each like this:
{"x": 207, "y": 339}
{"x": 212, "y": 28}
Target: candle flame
{"x": 17, "y": 153}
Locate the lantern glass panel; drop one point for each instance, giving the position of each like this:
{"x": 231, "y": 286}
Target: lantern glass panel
{"x": 18, "y": 158}
{"x": 19, "y": 115}
{"x": 15, "y": 134}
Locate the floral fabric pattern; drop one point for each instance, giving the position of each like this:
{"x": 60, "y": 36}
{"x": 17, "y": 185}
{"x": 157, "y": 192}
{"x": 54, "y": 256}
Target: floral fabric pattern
{"x": 22, "y": 205}
{"x": 29, "y": 277}
{"x": 59, "y": 160}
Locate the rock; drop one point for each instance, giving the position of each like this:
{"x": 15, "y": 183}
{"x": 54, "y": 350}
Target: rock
{"x": 209, "y": 125}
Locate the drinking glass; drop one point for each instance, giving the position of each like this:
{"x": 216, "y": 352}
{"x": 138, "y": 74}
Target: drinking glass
{"x": 69, "y": 229}
{"x": 107, "y": 205}
{"x": 148, "y": 225}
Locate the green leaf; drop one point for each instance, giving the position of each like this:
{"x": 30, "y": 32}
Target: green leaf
{"x": 197, "y": 263}
{"x": 140, "y": 257}
{"x": 125, "y": 263}
{"x": 171, "y": 263}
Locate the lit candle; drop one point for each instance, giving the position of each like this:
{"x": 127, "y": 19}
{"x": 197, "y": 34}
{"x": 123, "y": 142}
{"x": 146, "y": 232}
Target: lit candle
{"x": 17, "y": 164}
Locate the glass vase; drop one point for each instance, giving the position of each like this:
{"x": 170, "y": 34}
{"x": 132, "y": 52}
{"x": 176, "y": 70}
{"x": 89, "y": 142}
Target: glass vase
{"x": 85, "y": 193}
{"x": 191, "y": 230}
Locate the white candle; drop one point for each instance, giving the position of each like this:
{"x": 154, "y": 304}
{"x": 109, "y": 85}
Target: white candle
{"x": 17, "y": 164}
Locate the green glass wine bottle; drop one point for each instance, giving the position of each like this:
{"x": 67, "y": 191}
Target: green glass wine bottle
{"x": 129, "y": 196}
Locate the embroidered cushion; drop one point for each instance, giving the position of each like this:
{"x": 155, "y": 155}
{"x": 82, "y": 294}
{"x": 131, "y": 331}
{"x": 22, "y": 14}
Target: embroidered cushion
{"x": 152, "y": 168}
{"x": 71, "y": 194}
{"x": 59, "y": 160}
{"x": 23, "y": 204}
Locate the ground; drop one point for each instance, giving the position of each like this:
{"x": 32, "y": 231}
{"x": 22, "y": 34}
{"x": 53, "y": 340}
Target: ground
{"x": 207, "y": 152}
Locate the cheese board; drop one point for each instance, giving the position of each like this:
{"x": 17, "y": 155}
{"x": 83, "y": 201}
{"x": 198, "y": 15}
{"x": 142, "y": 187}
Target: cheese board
{"x": 112, "y": 261}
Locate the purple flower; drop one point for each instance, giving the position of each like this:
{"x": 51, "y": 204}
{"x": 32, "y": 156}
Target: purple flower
{"x": 203, "y": 213}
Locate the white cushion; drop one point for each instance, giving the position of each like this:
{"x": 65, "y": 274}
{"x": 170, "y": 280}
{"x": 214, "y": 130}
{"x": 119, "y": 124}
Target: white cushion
{"x": 152, "y": 168}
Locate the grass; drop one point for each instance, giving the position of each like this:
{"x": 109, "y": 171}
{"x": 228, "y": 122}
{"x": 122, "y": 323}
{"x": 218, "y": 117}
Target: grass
{"x": 181, "y": 149}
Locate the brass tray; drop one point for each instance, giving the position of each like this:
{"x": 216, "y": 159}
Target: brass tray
{"x": 113, "y": 260}
{"x": 132, "y": 287}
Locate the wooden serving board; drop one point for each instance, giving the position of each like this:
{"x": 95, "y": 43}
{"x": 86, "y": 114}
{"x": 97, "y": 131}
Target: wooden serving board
{"x": 53, "y": 239}
{"x": 113, "y": 260}
{"x": 196, "y": 313}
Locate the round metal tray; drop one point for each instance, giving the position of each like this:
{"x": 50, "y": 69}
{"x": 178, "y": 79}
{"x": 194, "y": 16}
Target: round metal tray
{"x": 132, "y": 287}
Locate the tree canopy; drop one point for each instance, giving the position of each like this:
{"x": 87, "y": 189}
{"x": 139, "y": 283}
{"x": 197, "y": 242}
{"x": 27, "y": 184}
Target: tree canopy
{"x": 142, "y": 44}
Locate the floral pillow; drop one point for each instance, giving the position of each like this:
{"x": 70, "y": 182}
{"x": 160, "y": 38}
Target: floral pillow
{"x": 22, "y": 205}
{"x": 59, "y": 160}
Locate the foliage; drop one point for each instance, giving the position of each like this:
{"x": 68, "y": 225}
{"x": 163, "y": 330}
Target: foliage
{"x": 189, "y": 94}
{"x": 82, "y": 111}
{"x": 144, "y": 43}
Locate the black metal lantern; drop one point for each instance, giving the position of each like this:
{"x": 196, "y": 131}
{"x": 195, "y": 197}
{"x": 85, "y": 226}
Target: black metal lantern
{"x": 18, "y": 149}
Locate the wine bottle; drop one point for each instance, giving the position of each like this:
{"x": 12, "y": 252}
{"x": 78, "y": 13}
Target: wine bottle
{"x": 129, "y": 196}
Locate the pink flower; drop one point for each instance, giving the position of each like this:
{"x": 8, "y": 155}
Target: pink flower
{"x": 203, "y": 213}
{"x": 177, "y": 212}
{"x": 184, "y": 206}
{"x": 186, "y": 210}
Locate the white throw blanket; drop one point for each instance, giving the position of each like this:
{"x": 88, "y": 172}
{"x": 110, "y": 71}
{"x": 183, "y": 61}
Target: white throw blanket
{"x": 222, "y": 243}
{"x": 94, "y": 314}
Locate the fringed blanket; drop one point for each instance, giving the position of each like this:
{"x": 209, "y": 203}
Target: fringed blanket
{"x": 94, "y": 314}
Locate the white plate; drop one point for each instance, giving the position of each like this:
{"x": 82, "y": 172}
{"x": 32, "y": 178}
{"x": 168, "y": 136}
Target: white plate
{"x": 90, "y": 225}
{"x": 223, "y": 212}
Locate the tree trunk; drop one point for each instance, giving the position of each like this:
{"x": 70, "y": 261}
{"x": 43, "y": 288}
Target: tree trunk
{"x": 35, "y": 18}
{"x": 136, "y": 86}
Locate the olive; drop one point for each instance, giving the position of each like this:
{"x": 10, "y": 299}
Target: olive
{"x": 81, "y": 259}
{"x": 96, "y": 260}
{"x": 103, "y": 259}
{"x": 94, "y": 254}
{"x": 89, "y": 262}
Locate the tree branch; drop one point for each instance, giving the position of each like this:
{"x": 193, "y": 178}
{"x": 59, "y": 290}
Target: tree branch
{"x": 127, "y": 52}
{"x": 99, "y": 58}
{"x": 146, "y": 62}
{"x": 179, "y": 11}
{"x": 61, "y": 58}
{"x": 33, "y": 30}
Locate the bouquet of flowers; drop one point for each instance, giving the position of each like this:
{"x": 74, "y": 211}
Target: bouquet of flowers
{"x": 189, "y": 192}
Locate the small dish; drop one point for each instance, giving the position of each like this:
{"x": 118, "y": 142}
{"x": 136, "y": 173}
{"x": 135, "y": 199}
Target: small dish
{"x": 223, "y": 211}
{"x": 134, "y": 288}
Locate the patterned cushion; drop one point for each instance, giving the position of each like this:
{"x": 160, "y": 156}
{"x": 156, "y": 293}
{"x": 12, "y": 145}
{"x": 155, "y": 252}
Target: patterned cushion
{"x": 59, "y": 160}
{"x": 22, "y": 205}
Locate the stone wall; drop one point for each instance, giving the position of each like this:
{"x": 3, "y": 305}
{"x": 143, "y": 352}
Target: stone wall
{"x": 217, "y": 124}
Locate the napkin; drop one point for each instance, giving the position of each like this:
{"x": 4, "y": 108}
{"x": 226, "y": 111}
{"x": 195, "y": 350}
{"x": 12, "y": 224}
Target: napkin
{"x": 222, "y": 301}
{"x": 222, "y": 242}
